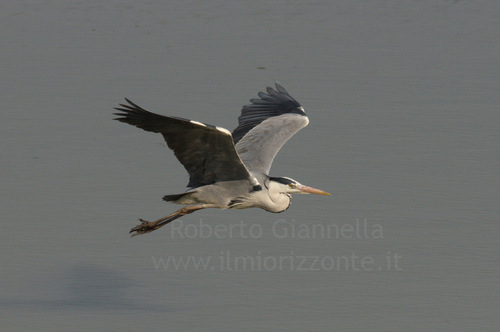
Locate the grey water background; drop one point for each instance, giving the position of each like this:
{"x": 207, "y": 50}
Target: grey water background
{"x": 403, "y": 99}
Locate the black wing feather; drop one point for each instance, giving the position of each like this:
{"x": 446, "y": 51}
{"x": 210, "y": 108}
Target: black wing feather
{"x": 273, "y": 103}
{"x": 207, "y": 153}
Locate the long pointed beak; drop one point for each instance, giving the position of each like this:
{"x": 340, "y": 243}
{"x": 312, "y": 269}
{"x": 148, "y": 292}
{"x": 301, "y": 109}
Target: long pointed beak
{"x": 310, "y": 190}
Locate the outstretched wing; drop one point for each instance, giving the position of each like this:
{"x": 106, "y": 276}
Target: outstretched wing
{"x": 265, "y": 126}
{"x": 207, "y": 152}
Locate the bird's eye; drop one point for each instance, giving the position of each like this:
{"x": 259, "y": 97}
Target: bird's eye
{"x": 291, "y": 185}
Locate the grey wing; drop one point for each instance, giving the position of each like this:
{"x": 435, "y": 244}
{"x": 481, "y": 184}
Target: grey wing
{"x": 265, "y": 126}
{"x": 206, "y": 152}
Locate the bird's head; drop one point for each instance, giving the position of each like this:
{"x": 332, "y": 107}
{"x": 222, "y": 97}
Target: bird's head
{"x": 290, "y": 186}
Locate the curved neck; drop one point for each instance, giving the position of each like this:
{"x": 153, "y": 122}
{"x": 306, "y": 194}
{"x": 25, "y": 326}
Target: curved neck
{"x": 281, "y": 200}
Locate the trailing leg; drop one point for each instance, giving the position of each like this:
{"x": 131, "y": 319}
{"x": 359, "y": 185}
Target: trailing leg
{"x": 149, "y": 226}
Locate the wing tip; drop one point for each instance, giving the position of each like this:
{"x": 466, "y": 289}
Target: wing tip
{"x": 280, "y": 88}
{"x": 273, "y": 97}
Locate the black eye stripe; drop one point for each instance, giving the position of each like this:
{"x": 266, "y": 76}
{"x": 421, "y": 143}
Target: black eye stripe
{"x": 283, "y": 180}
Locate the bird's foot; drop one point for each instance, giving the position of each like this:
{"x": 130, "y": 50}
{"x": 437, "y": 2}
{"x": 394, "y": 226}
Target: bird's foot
{"x": 144, "y": 227}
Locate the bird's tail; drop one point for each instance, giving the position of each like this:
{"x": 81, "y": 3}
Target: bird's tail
{"x": 172, "y": 198}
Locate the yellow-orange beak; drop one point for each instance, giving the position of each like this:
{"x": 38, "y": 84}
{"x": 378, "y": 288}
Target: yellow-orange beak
{"x": 311, "y": 190}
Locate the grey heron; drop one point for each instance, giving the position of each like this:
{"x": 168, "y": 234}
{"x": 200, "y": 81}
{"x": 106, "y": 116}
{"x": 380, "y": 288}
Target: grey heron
{"x": 228, "y": 171}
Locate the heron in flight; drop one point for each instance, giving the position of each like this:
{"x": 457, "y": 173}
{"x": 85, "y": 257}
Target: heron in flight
{"x": 228, "y": 171}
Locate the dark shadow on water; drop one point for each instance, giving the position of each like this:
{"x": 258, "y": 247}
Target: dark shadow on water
{"x": 89, "y": 287}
